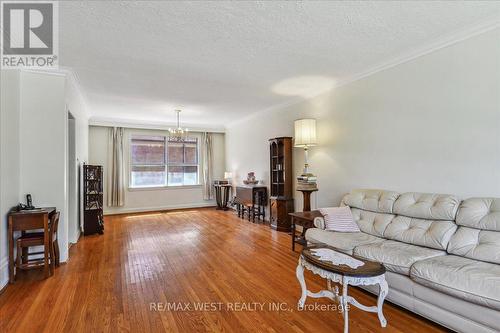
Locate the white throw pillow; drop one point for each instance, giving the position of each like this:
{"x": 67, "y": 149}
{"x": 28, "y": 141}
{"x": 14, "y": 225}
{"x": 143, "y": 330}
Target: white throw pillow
{"x": 339, "y": 219}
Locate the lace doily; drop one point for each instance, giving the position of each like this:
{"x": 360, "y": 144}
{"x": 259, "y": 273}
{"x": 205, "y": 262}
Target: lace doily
{"x": 337, "y": 258}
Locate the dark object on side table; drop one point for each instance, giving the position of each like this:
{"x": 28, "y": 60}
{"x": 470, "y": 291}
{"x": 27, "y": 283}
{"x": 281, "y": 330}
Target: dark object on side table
{"x": 92, "y": 200}
{"x": 222, "y": 189}
{"x": 304, "y": 219}
{"x": 251, "y": 199}
{"x": 281, "y": 172}
{"x": 28, "y": 206}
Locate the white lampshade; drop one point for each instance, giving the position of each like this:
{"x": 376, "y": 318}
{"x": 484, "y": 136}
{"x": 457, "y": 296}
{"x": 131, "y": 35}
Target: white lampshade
{"x": 305, "y": 132}
{"x": 228, "y": 175}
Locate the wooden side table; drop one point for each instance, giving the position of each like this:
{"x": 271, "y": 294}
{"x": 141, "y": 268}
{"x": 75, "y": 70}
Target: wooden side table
{"x": 26, "y": 220}
{"x": 304, "y": 219}
{"x": 252, "y": 199}
{"x": 307, "y": 199}
{"x": 222, "y": 195}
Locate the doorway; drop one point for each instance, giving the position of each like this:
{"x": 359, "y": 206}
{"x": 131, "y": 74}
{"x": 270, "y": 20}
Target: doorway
{"x": 73, "y": 206}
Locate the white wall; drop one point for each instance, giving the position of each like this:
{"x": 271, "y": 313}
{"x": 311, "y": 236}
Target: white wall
{"x": 72, "y": 183}
{"x": 33, "y": 145}
{"x": 75, "y": 103}
{"x": 137, "y": 200}
{"x": 44, "y": 145}
{"x": 430, "y": 125}
{"x": 9, "y": 159}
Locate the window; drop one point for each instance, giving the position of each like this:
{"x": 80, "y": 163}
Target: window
{"x": 158, "y": 161}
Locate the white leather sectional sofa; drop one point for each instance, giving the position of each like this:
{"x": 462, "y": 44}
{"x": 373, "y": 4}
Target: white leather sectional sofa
{"x": 442, "y": 254}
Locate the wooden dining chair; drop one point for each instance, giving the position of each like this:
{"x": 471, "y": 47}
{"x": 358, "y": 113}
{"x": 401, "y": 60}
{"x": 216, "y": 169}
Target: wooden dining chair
{"x": 28, "y": 240}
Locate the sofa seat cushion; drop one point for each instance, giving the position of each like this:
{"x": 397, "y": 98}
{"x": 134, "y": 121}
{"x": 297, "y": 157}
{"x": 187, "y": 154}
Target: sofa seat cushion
{"x": 471, "y": 280}
{"x": 344, "y": 241}
{"x": 397, "y": 257}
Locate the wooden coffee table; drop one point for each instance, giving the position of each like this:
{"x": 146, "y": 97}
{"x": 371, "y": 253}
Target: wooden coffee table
{"x": 342, "y": 268}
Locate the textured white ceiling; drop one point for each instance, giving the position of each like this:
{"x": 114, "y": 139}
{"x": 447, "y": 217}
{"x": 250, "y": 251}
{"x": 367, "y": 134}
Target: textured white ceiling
{"x": 220, "y": 61}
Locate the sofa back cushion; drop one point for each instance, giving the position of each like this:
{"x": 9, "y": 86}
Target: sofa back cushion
{"x": 378, "y": 201}
{"x": 428, "y": 206}
{"x": 428, "y": 233}
{"x": 424, "y": 219}
{"x": 370, "y": 222}
{"x": 480, "y": 213}
{"x": 476, "y": 244}
{"x": 478, "y": 234}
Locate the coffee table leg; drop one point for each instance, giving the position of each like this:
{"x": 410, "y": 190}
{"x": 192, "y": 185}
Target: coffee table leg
{"x": 344, "y": 305}
{"x": 300, "y": 276}
{"x": 384, "y": 289}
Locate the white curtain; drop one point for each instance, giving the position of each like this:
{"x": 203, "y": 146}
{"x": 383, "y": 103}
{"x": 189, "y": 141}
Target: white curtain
{"x": 116, "y": 188}
{"x": 207, "y": 165}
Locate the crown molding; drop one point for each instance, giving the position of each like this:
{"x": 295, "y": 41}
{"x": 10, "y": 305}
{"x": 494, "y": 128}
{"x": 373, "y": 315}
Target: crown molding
{"x": 72, "y": 78}
{"x": 53, "y": 72}
{"x": 75, "y": 81}
{"x": 128, "y": 123}
{"x": 440, "y": 43}
{"x": 292, "y": 101}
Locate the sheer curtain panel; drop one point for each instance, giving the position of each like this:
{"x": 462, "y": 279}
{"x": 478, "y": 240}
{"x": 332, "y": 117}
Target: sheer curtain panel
{"x": 116, "y": 188}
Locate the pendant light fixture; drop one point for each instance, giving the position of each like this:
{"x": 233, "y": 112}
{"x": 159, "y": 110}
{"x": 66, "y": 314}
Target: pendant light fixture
{"x": 178, "y": 133}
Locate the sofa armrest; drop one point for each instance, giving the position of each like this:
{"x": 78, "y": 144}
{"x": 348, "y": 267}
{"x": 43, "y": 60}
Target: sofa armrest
{"x": 319, "y": 222}
{"x": 342, "y": 201}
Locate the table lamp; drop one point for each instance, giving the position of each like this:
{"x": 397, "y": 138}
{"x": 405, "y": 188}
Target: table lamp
{"x": 305, "y": 137}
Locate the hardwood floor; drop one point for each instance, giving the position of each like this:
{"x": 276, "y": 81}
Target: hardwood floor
{"x": 182, "y": 257}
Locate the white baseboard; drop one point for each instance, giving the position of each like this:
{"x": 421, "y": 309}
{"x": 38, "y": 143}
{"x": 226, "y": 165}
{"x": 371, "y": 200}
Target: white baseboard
{"x": 4, "y": 272}
{"x": 74, "y": 239}
{"x": 125, "y": 210}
